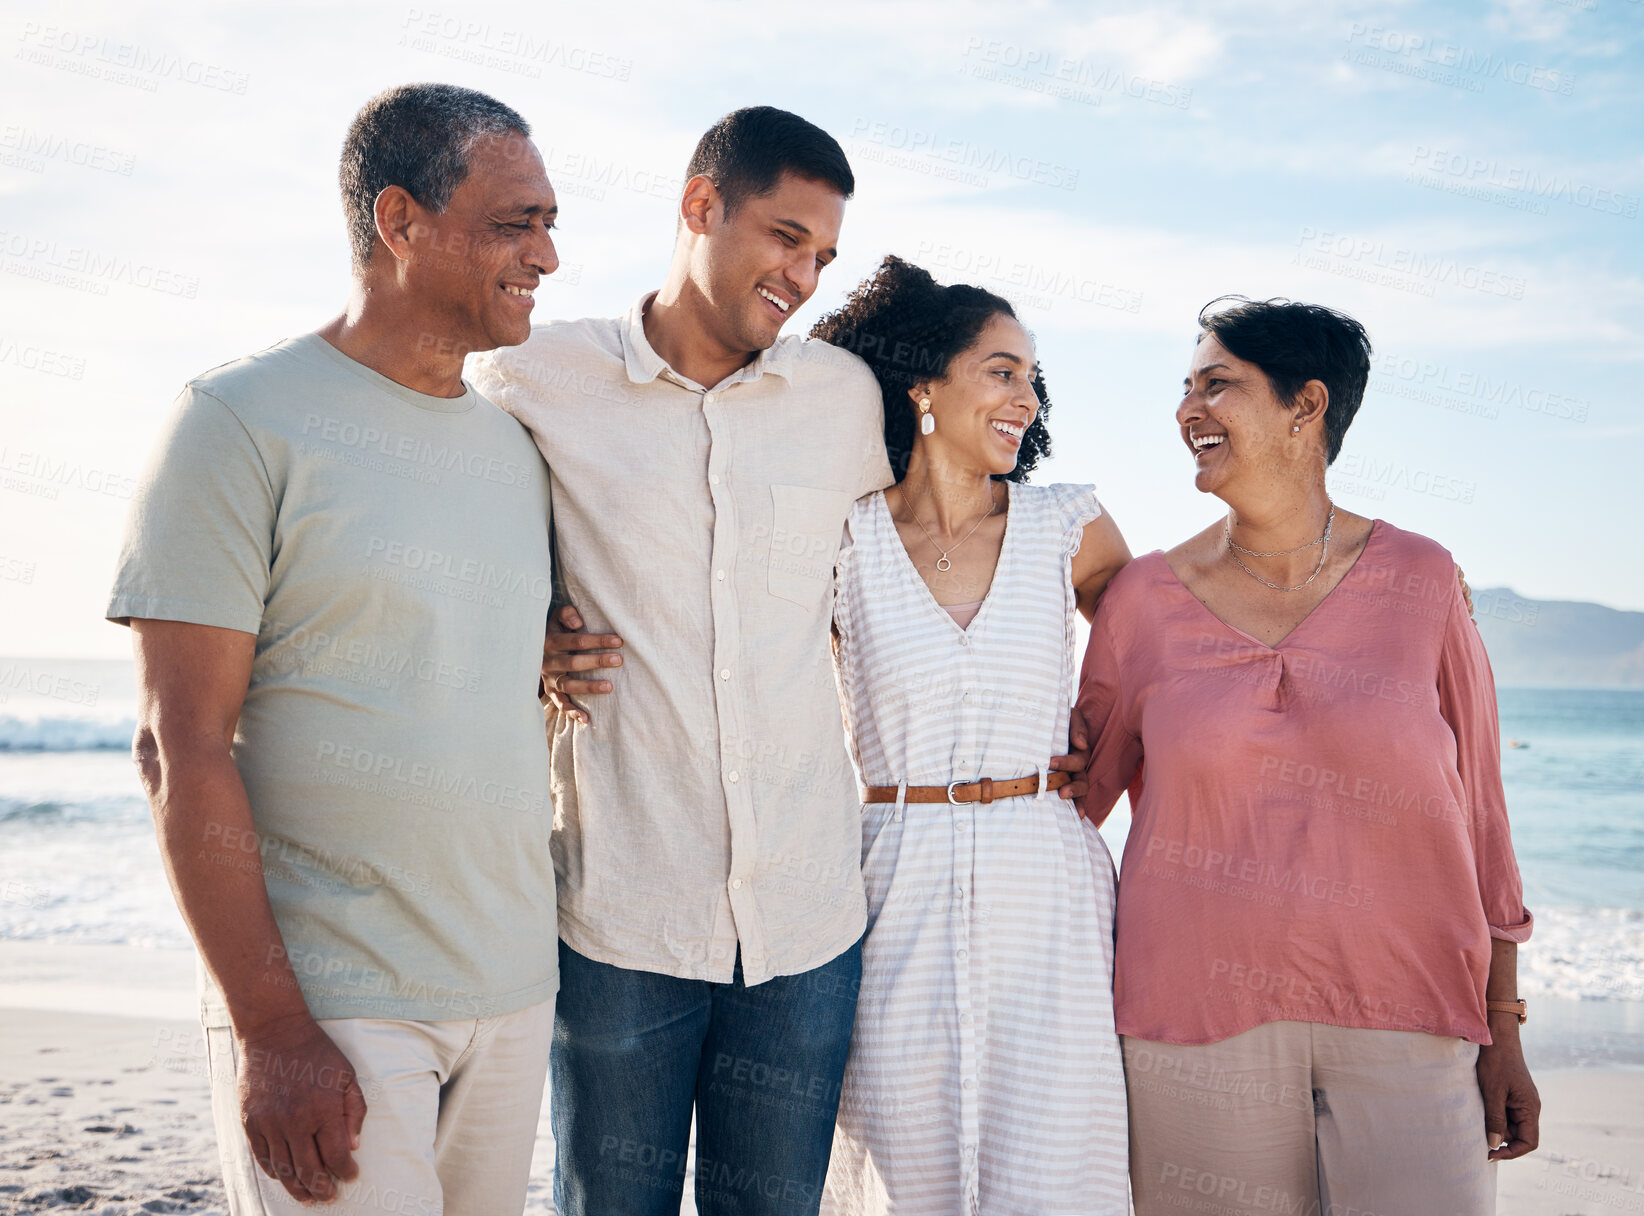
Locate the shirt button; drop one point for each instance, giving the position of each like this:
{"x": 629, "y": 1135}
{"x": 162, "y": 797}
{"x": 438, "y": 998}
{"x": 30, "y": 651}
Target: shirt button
{"x": 963, "y": 955}
{"x": 963, "y": 640}
{"x": 965, "y": 1019}
{"x": 732, "y": 777}
{"x": 713, "y": 479}
{"x": 708, "y": 399}
{"x": 720, "y": 575}
{"x": 724, "y": 673}
{"x": 736, "y": 883}
{"x": 970, "y": 1082}
{"x": 959, "y": 825}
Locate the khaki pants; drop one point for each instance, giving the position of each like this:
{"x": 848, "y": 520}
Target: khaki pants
{"x": 1309, "y": 1120}
{"x": 450, "y": 1125}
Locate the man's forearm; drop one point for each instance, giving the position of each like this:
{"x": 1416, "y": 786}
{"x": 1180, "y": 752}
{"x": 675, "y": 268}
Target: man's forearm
{"x": 210, "y": 847}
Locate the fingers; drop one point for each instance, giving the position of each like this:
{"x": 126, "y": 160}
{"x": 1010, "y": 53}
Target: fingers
{"x": 565, "y": 685}
{"x": 1466, "y": 591}
{"x": 310, "y": 1173}
{"x": 260, "y": 1152}
{"x": 553, "y": 663}
{"x": 569, "y": 618}
{"x": 1073, "y": 762}
{"x": 564, "y": 643}
{"x": 1077, "y": 788}
{"x": 334, "y": 1141}
{"x": 1525, "y": 1126}
{"x": 275, "y": 1161}
{"x": 354, "y": 1109}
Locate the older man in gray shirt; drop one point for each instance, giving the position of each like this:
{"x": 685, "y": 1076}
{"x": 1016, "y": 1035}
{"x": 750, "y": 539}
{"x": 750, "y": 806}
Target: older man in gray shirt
{"x": 337, "y": 578}
{"x": 707, "y": 828}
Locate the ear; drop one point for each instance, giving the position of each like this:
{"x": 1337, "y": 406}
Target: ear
{"x": 1311, "y": 404}
{"x": 396, "y": 212}
{"x": 700, "y": 205}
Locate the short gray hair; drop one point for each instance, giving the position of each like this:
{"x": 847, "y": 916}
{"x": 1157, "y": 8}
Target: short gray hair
{"x": 417, "y": 137}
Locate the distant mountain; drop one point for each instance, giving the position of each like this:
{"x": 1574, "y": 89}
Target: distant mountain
{"x": 1559, "y": 643}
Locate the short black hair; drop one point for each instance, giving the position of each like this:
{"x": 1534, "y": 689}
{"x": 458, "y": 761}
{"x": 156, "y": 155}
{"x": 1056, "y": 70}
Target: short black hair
{"x": 746, "y": 153}
{"x": 1293, "y": 343}
{"x": 417, "y": 137}
{"x": 909, "y": 328}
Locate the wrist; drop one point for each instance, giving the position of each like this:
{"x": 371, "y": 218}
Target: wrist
{"x": 285, "y": 1023}
{"x": 1503, "y": 1029}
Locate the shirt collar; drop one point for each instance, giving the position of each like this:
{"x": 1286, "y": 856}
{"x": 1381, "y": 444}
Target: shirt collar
{"x": 645, "y": 365}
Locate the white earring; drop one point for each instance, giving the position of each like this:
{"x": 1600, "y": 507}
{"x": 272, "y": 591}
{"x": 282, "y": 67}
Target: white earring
{"x": 927, "y": 421}
{"x": 1295, "y": 429}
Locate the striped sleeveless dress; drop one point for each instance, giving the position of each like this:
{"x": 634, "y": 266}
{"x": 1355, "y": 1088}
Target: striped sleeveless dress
{"x": 985, "y": 1075}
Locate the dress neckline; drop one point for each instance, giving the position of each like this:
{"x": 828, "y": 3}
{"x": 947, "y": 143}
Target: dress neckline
{"x": 924, "y": 587}
{"x": 1374, "y": 537}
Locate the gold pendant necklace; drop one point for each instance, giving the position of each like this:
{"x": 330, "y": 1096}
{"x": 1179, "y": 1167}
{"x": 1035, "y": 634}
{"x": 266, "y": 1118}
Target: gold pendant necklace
{"x": 942, "y": 562}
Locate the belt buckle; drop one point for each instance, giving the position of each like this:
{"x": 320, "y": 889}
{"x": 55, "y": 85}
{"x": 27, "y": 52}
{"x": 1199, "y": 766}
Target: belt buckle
{"x": 954, "y": 801}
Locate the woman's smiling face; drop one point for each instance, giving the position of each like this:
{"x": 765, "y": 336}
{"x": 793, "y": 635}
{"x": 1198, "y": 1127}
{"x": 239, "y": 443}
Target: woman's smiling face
{"x": 986, "y": 402}
{"x": 1231, "y": 421}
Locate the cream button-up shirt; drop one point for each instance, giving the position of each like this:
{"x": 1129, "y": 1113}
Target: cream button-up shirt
{"x": 711, "y": 805}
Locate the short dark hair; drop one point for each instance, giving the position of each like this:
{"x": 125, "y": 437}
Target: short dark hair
{"x": 746, "y": 153}
{"x": 1293, "y": 343}
{"x": 417, "y": 137}
{"x": 909, "y": 328}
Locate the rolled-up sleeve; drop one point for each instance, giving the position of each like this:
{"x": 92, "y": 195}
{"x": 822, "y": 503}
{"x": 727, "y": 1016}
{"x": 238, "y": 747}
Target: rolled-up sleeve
{"x": 1116, "y": 749}
{"x": 1467, "y": 700}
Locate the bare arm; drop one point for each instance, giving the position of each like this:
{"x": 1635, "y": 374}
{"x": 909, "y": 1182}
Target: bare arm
{"x": 1102, "y": 554}
{"x": 191, "y": 682}
{"x": 1512, "y": 1107}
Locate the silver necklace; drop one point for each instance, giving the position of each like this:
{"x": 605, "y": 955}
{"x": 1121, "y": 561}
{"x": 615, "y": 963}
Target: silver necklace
{"x": 942, "y": 562}
{"x": 1234, "y": 548}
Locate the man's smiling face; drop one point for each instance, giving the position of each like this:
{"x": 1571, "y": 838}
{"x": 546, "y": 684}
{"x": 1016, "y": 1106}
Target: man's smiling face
{"x": 759, "y": 265}
{"x": 480, "y": 260}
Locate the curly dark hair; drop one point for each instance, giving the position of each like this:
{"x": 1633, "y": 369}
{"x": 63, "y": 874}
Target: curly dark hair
{"x": 909, "y": 328}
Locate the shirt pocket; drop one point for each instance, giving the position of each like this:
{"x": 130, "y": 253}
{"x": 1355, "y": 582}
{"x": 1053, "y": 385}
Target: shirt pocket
{"x": 806, "y": 527}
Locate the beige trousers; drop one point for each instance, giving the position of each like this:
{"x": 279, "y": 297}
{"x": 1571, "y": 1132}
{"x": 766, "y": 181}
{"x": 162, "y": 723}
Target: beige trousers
{"x": 451, "y": 1116}
{"x": 1304, "y": 1119}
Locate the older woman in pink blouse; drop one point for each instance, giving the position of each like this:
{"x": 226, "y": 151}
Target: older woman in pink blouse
{"x": 1319, "y": 905}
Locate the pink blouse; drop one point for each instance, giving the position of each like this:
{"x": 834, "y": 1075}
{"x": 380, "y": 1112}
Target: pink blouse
{"x": 1319, "y": 832}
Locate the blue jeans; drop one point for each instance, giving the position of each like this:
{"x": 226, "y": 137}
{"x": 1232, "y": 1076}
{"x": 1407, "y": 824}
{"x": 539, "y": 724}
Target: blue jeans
{"x": 633, "y": 1051}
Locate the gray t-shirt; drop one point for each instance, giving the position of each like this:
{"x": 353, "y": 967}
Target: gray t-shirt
{"x": 390, "y": 552}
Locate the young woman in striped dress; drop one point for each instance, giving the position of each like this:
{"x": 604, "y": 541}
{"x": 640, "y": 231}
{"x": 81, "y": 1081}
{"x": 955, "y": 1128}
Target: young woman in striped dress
{"x": 985, "y": 1075}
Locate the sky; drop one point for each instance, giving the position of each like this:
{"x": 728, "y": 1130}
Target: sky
{"x": 1465, "y": 179}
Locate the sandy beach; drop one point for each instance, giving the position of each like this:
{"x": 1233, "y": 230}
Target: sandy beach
{"x": 105, "y": 1106}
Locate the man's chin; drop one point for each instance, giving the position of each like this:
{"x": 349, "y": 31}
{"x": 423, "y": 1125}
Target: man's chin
{"x": 756, "y": 338}
{"x": 511, "y": 333}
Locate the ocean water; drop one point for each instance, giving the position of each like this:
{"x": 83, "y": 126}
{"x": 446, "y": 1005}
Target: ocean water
{"x": 78, "y": 860}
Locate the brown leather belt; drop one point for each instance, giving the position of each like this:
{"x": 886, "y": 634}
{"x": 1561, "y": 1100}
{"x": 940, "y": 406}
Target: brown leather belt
{"x": 984, "y": 791}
